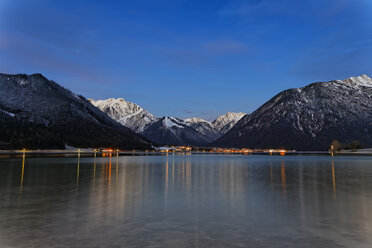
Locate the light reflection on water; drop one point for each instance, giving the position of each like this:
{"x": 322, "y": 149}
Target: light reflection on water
{"x": 186, "y": 201}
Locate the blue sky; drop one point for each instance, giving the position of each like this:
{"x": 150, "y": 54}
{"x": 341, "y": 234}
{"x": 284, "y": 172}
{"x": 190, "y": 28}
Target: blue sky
{"x": 187, "y": 58}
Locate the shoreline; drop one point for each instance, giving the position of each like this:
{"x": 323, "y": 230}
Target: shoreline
{"x": 93, "y": 152}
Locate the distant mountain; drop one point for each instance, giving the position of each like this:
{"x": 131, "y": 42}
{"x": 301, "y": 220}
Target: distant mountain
{"x": 174, "y": 131}
{"x": 215, "y": 129}
{"x": 38, "y": 113}
{"x": 308, "y": 118}
{"x": 127, "y": 113}
{"x": 225, "y": 122}
{"x": 139, "y": 120}
{"x": 191, "y": 131}
{"x": 206, "y": 128}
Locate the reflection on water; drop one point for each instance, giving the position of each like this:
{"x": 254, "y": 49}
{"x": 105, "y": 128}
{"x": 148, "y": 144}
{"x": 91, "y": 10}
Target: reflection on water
{"x": 94, "y": 167}
{"x": 78, "y": 170}
{"x": 23, "y": 170}
{"x": 333, "y": 178}
{"x": 282, "y": 169}
{"x": 186, "y": 201}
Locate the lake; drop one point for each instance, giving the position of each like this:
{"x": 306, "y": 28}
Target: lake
{"x": 186, "y": 201}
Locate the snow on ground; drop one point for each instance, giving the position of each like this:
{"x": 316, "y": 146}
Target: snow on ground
{"x": 363, "y": 80}
{"x": 8, "y": 113}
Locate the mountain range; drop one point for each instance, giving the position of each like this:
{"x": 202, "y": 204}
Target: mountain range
{"x": 38, "y": 113}
{"x": 167, "y": 130}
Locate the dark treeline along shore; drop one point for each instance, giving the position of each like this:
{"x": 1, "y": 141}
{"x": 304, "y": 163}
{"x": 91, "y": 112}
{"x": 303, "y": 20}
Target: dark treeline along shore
{"x": 36, "y": 113}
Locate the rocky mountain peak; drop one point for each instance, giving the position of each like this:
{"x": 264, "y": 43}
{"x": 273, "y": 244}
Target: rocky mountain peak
{"x": 127, "y": 113}
{"x": 362, "y": 80}
{"x": 225, "y": 122}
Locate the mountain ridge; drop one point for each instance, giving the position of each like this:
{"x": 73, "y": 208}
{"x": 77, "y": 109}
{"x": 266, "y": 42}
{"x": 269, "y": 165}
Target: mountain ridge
{"x": 121, "y": 110}
{"x": 173, "y": 131}
{"x": 37, "y": 112}
{"x": 308, "y": 118}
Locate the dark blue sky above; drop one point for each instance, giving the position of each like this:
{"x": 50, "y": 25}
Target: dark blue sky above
{"x": 187, "y": 58}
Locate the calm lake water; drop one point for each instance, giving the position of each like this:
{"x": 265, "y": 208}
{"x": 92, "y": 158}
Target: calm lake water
{"x": 186, "y": 201}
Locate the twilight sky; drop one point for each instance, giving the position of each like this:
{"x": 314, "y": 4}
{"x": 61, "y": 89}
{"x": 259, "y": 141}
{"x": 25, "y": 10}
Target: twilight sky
{"x": 187, "y": 57}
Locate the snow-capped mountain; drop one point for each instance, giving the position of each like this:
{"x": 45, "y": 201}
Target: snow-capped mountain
{"x": 225, "y": 122}
{"x": 174, "y": 131}
{"x": 127, "y": 113}
{"x": 139, "y": 120}
{"x": 191, "y": 131}
{"x": 308, "y": 118}
{"x": 204, "y": 127}
{"x": 39, "y": 113}
{"x": 215, "y": 129}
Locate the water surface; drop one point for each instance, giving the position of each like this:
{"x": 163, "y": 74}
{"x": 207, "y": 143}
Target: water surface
{"x": 186, "y": 201}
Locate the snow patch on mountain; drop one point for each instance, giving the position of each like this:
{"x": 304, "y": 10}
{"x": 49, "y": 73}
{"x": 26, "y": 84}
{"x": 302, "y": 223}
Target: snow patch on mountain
{"x": 7, "y": 113}
{"x": 22, "y": 81}
{"x": 170, "y": 122}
